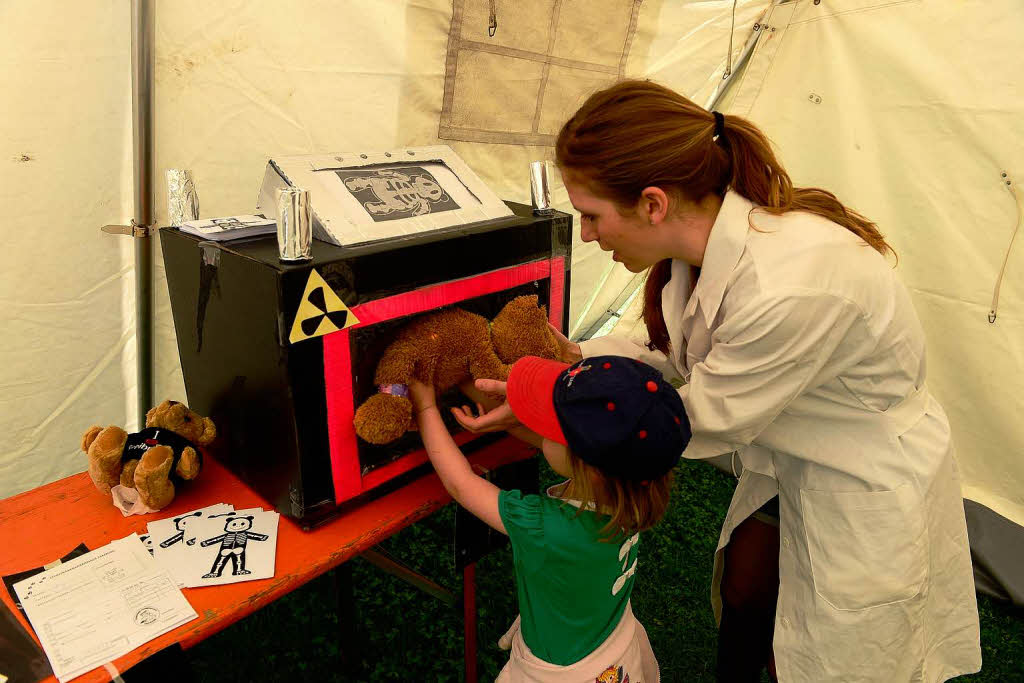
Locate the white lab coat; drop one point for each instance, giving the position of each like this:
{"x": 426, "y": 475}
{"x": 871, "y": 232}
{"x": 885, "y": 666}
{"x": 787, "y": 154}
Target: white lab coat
{"x": 801, "y": 351}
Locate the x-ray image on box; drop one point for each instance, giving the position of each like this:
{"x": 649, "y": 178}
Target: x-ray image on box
{"x": 358, "y": 198}
{"x": 399, "y": 192}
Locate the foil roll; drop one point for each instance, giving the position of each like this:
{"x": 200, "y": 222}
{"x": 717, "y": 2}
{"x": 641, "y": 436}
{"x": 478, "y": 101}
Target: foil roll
{"x": 540, "y": 189}
{"x": 294, "y": 224}
{"x": 182, "y": 200}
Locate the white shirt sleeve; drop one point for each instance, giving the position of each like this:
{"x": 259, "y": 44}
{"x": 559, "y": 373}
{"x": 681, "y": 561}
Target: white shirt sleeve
{"x": 764, "y": 356}
{"x": 623, "y": 345}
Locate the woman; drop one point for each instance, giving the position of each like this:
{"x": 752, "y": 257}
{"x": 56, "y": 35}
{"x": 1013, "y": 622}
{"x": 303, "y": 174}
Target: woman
{"x": 800, "y": 353}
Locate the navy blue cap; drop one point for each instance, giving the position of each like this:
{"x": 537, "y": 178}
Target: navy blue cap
{"x": 615, "y": 413}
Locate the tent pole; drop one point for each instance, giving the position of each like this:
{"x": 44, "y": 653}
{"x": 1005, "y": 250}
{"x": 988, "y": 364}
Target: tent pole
{"x": 741, "y": 61}
{"x": 142, "y": 139}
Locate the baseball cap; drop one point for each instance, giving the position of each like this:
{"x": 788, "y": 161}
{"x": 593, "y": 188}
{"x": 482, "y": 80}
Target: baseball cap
{"x": 615, "y": 413}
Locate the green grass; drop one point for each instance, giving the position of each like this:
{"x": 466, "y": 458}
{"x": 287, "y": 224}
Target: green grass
{"x": 407, "y": 635}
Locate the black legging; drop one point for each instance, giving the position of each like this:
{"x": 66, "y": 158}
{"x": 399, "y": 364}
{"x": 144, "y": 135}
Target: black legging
{"x": 750, "y": 589}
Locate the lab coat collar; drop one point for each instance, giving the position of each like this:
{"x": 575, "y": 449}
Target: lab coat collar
{"x": 725, "y": 246}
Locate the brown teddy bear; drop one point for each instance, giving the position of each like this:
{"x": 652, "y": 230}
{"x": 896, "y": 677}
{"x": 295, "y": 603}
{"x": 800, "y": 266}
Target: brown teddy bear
{"x": 151, "y": 460}
{"x": 446, "y": 348}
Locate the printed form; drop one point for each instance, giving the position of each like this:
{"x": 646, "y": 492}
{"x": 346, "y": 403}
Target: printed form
{"x": 101, "y": 605}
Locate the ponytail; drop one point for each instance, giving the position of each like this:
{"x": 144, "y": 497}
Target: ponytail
{"x": 637, "y": 134}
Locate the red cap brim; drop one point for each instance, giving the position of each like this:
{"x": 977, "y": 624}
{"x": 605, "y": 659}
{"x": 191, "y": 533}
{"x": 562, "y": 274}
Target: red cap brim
{"x": 530, "y": 392}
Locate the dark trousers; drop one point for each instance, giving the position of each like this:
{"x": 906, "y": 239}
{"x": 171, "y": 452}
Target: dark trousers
{"x": 750, "y": 590}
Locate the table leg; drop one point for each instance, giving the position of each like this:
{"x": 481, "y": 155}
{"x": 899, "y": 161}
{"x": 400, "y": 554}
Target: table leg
{"x": 469, "y": 620}
{"x": 349, "y": 647}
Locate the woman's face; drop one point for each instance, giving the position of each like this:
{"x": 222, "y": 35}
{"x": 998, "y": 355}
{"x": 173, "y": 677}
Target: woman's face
{"x": 628, "y": 237}
{"x": 648, "y": 232}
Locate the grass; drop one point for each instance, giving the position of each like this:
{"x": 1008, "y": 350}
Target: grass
{"x": 407, "y": 635}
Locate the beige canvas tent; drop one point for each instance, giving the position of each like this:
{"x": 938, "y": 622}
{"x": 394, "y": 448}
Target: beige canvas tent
{"x": 910, "y": 110}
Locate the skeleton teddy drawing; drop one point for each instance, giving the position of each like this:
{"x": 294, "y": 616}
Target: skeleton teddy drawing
{"x": 237, "y": 533}
{"x": 398, "y": 191}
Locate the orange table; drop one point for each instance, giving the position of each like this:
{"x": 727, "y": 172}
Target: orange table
{"x": 41, "y": 525}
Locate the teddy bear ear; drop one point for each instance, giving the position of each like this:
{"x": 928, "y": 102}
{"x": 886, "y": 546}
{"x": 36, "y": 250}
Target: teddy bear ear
{"x": 209, "y": 432}
{"x": 156, "y": 411}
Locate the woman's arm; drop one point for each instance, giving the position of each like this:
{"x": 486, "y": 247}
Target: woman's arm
{"x": 764, "y": 356}
{"x": 621, "y": 345}
{"x": 471, "y": 491}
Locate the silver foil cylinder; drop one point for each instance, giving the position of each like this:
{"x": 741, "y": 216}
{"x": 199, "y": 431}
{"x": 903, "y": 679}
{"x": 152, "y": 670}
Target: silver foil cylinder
{"x": 294, "y": 224}
{"x": 540, "y": 189}
{"x": 182, "y": 200}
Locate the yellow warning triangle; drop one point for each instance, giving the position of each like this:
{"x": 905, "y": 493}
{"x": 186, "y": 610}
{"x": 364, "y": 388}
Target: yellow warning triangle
{"x": 320, "y": 312}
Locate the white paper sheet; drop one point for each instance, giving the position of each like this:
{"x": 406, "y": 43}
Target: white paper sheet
{"x": 229, "y": 549}
{"x": 172, "y": 537}
{"x": 101, "y": 605}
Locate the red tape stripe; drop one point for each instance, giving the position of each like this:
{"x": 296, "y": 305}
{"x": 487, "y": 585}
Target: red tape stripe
{"x": 344, "y": 450}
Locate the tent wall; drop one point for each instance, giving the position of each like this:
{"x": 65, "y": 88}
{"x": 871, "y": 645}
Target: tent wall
{"x": 913, "y": 126}
{"x": 68, "y": 355}
{"x": 918, "y": 114}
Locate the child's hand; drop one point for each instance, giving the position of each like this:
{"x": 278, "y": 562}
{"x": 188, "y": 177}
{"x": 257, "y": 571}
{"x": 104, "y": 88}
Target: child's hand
{"x": 422, "y": 396}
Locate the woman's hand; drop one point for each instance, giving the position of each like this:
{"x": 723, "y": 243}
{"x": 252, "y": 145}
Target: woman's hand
{"x": 496, "y": 419}
{"x": 568, "y": 352}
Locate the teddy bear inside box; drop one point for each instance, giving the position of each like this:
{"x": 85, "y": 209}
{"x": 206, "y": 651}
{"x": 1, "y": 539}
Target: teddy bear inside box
{"x": 283, "y": 408}
{"x": 377, "y": 337}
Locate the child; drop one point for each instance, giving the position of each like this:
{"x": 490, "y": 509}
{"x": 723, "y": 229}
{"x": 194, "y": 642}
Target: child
{"x": 616, "y": 429}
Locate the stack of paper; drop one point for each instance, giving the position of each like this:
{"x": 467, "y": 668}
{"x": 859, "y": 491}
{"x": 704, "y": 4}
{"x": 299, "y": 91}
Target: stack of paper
{"x": 216, "y": 545}
{"x": 230, "y": 227}
{"x": 101, "y": 605}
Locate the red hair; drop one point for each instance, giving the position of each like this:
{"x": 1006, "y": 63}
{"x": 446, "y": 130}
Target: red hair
{"x": 638, "y": 134}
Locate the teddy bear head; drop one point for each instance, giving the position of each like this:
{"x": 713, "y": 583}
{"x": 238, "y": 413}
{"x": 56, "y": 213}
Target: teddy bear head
{"x": 521, "y": 329}
{"x": 180, "y": 420}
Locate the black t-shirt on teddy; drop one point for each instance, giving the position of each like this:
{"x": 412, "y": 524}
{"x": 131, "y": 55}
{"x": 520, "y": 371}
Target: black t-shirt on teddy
{"x": 139, "y": 442}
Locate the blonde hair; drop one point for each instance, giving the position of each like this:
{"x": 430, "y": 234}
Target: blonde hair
{"x": 632, "y": 506}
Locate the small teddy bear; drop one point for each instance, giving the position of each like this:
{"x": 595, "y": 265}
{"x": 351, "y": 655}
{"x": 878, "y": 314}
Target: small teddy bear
{"x": 150, "y": 461}
{"x": 446, "y": 348}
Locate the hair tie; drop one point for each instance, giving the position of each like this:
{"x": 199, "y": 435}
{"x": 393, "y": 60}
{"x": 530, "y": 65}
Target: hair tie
{"x": 719, "y": 126}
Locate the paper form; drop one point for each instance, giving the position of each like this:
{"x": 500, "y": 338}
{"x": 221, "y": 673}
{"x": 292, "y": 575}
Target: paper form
{"x": 101, "y": 605}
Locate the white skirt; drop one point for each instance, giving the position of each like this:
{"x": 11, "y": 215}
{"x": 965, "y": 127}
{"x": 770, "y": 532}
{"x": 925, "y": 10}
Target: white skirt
{"x": 624, "y": 656}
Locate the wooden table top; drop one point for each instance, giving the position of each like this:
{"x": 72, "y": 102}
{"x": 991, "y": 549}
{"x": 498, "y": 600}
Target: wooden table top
{"x": 41, "y": 525}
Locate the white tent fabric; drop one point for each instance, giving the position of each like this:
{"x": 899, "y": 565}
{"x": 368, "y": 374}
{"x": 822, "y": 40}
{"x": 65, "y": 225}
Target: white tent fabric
{"x": 68, "y": 351}
{"x": 911, "y": 112}
{"x": 919, "y": 112}
{"x": 912, "y": 127}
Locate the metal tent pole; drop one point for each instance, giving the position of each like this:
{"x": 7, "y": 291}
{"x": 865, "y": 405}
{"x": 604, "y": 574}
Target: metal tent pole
{"x": 142, "y": 136}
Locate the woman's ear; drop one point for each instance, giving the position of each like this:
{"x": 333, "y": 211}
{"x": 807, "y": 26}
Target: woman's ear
{"x": 653, "y": 204}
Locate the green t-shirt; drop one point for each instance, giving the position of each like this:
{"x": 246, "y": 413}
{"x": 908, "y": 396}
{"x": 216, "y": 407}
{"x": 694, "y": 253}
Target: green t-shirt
{"x": 572, "y": 587}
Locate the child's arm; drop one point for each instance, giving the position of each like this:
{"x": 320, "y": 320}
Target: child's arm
{"x": 472, "y": 492}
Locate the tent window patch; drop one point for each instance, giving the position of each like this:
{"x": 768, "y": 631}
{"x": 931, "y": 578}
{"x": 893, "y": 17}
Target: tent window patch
{"x": 545, "y": 58}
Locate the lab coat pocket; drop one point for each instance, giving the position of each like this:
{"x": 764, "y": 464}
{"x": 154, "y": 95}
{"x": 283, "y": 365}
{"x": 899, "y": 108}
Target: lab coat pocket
{"x": 867, "y": 548}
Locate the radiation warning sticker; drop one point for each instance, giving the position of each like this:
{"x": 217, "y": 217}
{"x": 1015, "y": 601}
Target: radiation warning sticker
{"x": 320, "y": 312}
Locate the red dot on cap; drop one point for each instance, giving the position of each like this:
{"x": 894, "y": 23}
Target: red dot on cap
{"x": 606, "y": 366}
{"x": 677, "y": 420}
{"x": 611, "y": 406}
{"x": 642, "y": 434}
{"x": 652, "y": 386}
